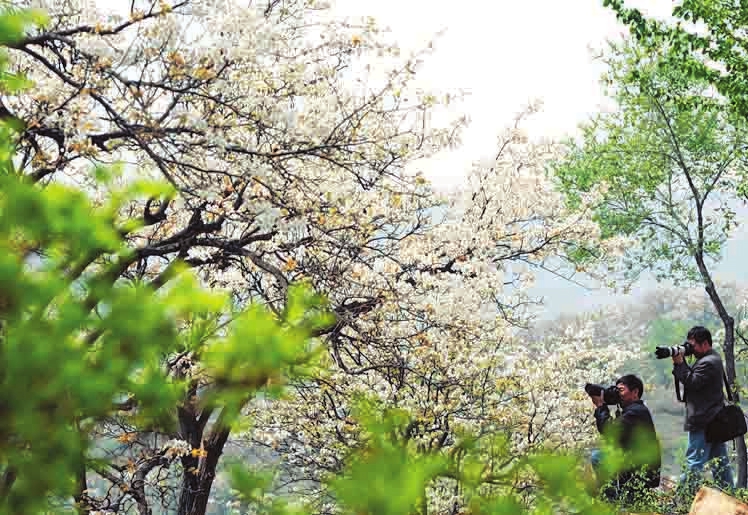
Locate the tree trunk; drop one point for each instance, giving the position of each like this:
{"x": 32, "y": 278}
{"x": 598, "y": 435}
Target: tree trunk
{"x": 81, "y": 487}
{"x": 81, "y": 478}
{"x": 193, "y": 499}
{"x": 199, "y": 471}
{"x": 729, "y": 350}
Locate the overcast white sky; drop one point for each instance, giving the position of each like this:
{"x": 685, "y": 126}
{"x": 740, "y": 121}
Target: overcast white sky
{"x": 504, "y": 53}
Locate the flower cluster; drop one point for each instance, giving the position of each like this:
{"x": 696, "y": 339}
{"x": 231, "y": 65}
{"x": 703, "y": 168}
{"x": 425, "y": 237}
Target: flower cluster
{"x": 176, "y": 449}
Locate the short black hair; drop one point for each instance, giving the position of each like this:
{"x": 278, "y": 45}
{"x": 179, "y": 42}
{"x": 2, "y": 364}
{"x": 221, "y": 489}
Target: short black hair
{"x": 699, "y": 334}
{"x": 632, "y": 383}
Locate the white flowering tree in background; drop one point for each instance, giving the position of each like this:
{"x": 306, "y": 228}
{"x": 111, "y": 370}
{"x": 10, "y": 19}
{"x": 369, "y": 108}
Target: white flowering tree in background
{"x": 291, "y": 166}
{"x": 441, "y": 341}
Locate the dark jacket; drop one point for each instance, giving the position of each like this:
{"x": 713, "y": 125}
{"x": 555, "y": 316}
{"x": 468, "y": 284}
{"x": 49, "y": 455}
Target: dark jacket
{"x": 702, "y": 384}
{"x": 633, "y": 430}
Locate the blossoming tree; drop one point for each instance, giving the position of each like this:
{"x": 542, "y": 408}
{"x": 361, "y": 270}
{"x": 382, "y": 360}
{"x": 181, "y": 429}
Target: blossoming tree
{"x": 287, "y": 134}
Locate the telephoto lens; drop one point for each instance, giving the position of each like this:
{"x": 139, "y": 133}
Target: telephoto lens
{"x": 665, "y": 352}
{"x": 593, "y": 389}
{"x": 611, "y": 396}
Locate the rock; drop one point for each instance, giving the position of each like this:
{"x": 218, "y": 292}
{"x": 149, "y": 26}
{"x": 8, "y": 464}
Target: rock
{"x": 709, "y": 501}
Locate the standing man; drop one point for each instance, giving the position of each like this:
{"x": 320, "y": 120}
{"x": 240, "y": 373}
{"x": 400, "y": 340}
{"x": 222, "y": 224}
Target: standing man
{"x": 704, "y": 398}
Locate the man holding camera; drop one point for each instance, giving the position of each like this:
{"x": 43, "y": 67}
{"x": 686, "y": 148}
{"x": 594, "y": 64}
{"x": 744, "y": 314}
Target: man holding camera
{"x": 633, "y": 432}
{"x": 704, "y": 398}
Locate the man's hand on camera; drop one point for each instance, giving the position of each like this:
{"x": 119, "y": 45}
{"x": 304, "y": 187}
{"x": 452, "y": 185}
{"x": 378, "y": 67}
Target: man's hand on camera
{"x": 677, "y": 359}
{"x": 597, "y": 400}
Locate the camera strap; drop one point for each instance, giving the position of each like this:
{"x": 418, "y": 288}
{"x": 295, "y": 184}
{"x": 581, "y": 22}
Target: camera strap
{"x": 676, "y": 383}
{"x": 727, "y": 385}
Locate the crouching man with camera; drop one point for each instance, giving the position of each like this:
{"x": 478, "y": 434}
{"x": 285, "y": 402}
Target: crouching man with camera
{"x": 704, "y": 398}
{"x": 632, "y": 432}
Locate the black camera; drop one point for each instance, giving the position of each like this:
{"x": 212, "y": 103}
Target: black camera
{"x": 611, "y": 396}
{"x": 665, "y": 352}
